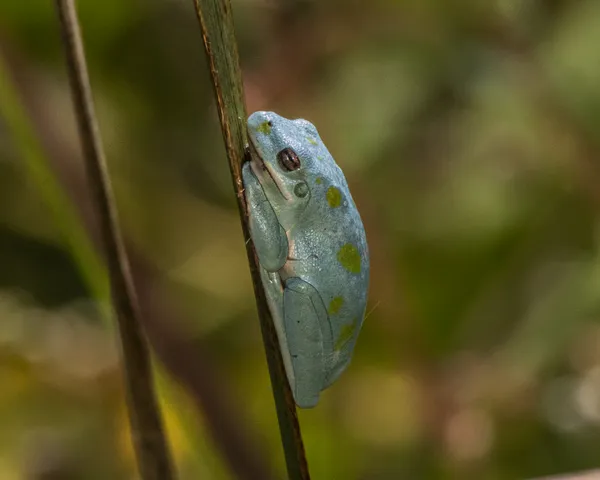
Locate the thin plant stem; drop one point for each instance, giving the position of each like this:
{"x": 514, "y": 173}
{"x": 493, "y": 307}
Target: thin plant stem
{"x": 218, "y": 35}
{"x": 149, "y": 440}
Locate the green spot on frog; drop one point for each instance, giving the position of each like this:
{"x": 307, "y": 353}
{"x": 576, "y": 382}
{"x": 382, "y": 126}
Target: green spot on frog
{"x": 319, "y": 180}
{"x": 320, "y": 157}
{"x": 346, "y": 334}
{"x": 349, "y": 258}
{"x": 312, "y": 141}
{"x": 334, "y": 197}
{"x": 264, "y": 127}
{"x": 335, "y": 305}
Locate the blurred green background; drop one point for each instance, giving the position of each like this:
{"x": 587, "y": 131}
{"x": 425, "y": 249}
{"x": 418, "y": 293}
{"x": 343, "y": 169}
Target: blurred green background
{"x": 469, "y": 133}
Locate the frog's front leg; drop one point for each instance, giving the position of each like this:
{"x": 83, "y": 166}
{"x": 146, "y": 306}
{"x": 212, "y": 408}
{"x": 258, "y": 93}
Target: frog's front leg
{"x": 270, "y": 240}
{"x": 271, "y": 246}
{"x": 309, "y": 338}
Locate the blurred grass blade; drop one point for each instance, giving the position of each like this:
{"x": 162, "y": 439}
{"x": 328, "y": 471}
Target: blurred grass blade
{"x": 65, "y": 215}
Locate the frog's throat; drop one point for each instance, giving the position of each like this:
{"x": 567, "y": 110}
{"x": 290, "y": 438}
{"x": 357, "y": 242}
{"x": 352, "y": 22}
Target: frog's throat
{"x": 259, "y": 167}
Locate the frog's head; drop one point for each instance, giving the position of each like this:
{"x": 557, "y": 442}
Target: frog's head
{"x": 284, "y": 158}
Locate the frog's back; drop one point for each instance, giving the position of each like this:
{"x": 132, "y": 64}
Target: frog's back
{"x": 330, "y": 252}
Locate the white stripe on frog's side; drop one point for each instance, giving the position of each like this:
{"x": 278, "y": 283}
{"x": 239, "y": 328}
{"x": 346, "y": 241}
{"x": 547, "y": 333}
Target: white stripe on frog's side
{"x": 277, "y": 314}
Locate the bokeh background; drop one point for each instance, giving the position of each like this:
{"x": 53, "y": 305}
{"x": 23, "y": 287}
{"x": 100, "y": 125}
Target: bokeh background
{"x": 468, "y": 132}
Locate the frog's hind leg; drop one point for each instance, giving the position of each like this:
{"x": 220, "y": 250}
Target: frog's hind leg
{"x": 274, "y": 293}
{"x": 309, "y": 339}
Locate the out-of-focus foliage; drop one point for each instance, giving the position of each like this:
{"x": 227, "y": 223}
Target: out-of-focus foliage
{"x": 468, "y": 132}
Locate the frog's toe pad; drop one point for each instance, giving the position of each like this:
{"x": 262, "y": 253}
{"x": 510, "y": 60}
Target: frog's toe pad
{"x": 306, "y": 402}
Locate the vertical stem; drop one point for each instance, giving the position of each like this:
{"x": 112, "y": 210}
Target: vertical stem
{"x": 216, "y": 24}
{"x": 153, "y": 457}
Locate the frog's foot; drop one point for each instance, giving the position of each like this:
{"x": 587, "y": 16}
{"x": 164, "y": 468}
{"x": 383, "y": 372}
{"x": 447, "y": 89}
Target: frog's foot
{"x": 306, "y": 330}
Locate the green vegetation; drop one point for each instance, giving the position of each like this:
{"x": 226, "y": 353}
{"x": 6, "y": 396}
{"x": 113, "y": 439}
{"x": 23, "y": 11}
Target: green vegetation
{"x": 468, "y": 132}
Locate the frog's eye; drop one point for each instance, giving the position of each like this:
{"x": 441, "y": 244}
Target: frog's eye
{"x": 288, "y": 160}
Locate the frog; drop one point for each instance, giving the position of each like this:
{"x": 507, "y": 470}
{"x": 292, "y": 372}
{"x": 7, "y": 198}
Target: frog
{"x": 311, "y": 247}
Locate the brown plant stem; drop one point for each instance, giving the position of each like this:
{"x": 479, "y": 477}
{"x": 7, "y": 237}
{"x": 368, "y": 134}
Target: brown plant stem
{"x": 152, "y": 452}
{"x": 216, "y": 24}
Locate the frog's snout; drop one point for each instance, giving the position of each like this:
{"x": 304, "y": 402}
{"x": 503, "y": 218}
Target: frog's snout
{"x": 260, "y": 122}
{"x": 258, "y": 118}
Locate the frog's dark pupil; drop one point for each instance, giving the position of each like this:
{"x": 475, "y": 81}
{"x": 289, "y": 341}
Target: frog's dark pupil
{"x": 288, "y": 160}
